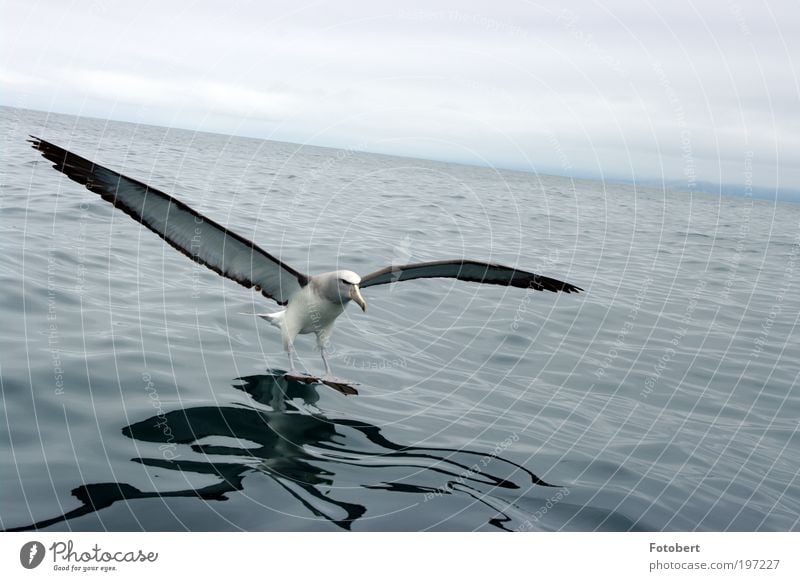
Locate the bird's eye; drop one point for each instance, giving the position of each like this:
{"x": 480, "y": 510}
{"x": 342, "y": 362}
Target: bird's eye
{"x": 343, "y": 281}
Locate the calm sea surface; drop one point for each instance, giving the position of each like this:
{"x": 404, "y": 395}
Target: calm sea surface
{"x": 134, "y": 396}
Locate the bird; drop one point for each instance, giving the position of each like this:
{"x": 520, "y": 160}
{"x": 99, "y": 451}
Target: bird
{"x": 312, "y": 303}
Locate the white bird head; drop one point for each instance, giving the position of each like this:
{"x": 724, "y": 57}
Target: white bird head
{"x": 342, "y": 286}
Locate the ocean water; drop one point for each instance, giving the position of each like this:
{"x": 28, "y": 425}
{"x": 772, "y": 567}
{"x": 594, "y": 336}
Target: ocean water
{"x": 135, "y": 397}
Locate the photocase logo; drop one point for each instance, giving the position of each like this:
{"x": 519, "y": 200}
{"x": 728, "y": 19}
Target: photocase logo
{"x": 31, "y": 554}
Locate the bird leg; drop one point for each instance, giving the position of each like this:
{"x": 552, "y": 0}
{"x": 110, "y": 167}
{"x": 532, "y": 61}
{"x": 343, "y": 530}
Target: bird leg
{"x": 290, "y": 353}
{"x": 341, "y": 385}
{"x": 293, "y": 374}
{"x": 325, "y": 361}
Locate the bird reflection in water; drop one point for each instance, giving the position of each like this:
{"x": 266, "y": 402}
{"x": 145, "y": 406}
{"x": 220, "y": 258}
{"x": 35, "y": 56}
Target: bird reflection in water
{"x": 300, "y": 451}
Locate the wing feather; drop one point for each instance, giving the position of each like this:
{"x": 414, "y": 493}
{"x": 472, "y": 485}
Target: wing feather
{"x": 470, "y": 271}
{"x": 199, "y": 238}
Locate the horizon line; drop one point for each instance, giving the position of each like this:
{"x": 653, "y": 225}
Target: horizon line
{"x": 773, "y": 193}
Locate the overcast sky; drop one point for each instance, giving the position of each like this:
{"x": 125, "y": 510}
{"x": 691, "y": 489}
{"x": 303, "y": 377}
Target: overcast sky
{"x": 680, "y": 89}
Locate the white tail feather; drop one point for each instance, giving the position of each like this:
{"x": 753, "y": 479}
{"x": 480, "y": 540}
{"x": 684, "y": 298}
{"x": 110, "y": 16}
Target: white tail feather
{"x": 274, "y": 319}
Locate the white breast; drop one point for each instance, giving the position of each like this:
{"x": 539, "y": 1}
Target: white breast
{"x": 307, "y": 312}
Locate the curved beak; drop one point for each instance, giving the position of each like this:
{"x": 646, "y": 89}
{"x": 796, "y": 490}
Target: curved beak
{"x": 355, "y": 294}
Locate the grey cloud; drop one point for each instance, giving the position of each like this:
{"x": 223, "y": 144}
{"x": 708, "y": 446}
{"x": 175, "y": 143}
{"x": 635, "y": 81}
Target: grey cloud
{"x": 615, "y": 88}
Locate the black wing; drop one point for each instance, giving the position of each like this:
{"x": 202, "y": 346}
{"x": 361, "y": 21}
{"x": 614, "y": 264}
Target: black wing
{"x": 186, "y": 230}
{"x": 470, "y": 271}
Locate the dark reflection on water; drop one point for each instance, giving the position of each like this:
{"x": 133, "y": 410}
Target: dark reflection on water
{"x": 302, "y": 452}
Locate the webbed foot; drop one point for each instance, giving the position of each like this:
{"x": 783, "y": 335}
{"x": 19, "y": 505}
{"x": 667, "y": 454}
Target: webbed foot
{"x": 301, "y": 377}
{"x": 341, "y": 385}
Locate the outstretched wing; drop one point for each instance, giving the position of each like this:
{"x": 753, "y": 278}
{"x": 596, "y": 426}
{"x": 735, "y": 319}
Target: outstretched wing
{"x": 470, "y": 271}
{"x": 186, "y": 230}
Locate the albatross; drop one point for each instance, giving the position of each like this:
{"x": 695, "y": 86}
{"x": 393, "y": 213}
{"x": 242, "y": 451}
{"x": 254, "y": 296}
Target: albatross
{"x": 312, "y": 302}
